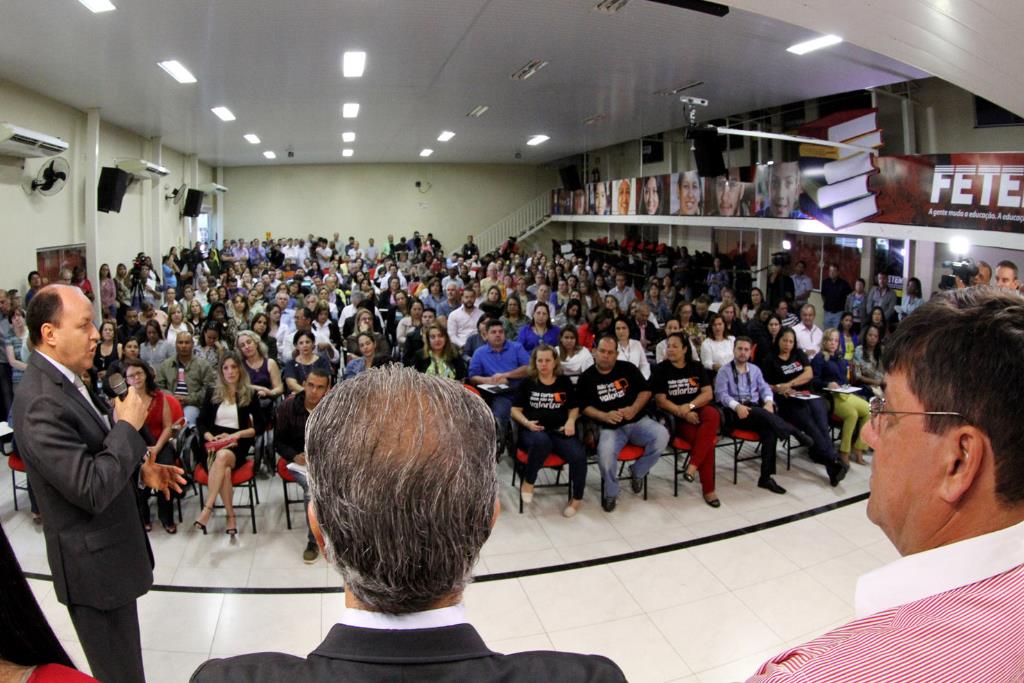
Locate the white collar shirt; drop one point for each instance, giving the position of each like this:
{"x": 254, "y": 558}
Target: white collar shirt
{"x": 433, "y": 618}
{"x": 941, "y": 569}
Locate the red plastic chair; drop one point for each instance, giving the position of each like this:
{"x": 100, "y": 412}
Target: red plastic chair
{"x": 242, "y": 477}
{"x": 288, "y": 478}
{"x": 737, "y": 438}
{"x": 629, "y": 453}
{"x": 17, "y": 465}
{"x": 553, "y": 461}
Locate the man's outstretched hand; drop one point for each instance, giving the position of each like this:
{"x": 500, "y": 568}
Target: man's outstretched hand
{"x": 163, "y": 478}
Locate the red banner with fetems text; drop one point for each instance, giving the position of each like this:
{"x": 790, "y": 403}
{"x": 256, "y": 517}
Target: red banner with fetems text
{"x": 960, "y": 191}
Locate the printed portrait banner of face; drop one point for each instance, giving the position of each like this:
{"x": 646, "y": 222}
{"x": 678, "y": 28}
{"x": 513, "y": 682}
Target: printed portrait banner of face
{"x": 600, "y": 198}
{"x": 625, "y": 196}
{"x": 955, "y": 191}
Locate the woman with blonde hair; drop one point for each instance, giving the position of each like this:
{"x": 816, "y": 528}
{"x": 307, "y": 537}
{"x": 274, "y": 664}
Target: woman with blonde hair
{"x": 546, "y": 410}
{"x": 226, "y": 423}
{"x": 832, "y": 373}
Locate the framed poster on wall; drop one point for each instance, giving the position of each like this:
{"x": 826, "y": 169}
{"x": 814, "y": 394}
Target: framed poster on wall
{"x": 51, "y": 260}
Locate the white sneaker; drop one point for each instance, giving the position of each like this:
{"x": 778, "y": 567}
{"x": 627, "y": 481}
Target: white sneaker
{"x": 569, "y": 511}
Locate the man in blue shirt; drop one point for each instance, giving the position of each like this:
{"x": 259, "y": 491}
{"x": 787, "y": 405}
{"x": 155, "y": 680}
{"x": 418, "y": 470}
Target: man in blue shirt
{"x": 500, "y": 362}
{"x": 750, "y": 404}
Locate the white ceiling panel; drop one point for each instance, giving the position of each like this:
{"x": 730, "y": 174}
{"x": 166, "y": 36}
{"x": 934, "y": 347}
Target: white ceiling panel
{"x": 277, "y": 66}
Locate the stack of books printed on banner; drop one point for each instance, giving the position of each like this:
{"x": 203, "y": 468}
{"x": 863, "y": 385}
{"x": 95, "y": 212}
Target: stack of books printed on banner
{"x": 835, "y": 179}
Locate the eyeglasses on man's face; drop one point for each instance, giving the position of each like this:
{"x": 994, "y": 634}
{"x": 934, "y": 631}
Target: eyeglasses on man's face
{"x": 877, "y": 409}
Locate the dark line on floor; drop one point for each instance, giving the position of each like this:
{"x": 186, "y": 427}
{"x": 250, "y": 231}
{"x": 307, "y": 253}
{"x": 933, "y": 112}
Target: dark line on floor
{"x": 536, "y": 571}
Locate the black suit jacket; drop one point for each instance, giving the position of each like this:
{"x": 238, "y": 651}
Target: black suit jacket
{"x": 84, "y": 476}
{"x": 451, "y": 653}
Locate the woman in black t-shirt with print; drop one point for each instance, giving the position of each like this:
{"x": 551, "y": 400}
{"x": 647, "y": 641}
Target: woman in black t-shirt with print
{"x": 682, "y": 389}
{"x": 546, "y": 410}
{"x": 789, "y": 372}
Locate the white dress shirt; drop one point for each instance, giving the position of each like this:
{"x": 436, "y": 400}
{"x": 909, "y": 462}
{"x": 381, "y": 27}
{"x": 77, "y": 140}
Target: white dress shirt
{"x": 432, "y": 618}
{"x": 716, "y": 352}
{"x": 462, "y": 324}
{"x": 941, "y": 569}
{"x": 635, "y": 354}
{"x": 808, "y": 340}
{"x": 70, "y": 375}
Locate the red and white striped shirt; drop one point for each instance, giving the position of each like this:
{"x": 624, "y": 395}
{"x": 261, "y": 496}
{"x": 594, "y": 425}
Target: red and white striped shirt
{"x": 970, "y": 630}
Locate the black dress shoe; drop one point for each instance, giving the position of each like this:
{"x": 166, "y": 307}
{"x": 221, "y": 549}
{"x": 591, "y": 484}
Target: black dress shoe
{"x": 836, "y": 472}
{"x": 714, "y": 502}
{"x": 770, "y": 484}
{"x": 689, "y": 477}
{"x": 608, "y": 504}
{"x": 635, "y": 482}
{"x": 804, "y": 438}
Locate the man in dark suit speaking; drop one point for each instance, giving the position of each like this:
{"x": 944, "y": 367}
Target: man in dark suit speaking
{"x": 404, "y": 494}
{"x": 85, "y": 465}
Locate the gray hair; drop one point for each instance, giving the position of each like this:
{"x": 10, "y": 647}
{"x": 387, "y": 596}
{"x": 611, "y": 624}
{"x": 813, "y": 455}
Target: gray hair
{"x": 403, "y": 489}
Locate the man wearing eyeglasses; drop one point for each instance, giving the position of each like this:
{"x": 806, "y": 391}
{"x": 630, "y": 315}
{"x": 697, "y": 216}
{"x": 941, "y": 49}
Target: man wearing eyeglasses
{"x": 947, "y": 488}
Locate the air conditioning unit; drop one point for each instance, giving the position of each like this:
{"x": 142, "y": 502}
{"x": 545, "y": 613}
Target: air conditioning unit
{"x": 210, "y": 188}
{"x": 21, "y": 142}
{"x": 140, "y": 168}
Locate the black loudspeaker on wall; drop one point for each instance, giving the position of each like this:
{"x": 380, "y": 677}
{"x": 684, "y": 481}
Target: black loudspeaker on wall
{"x": 193, "y": 203}
{"x": 110, "y": 192}
{"x": 571, "y": 177}
{"x": 706, "y": 152}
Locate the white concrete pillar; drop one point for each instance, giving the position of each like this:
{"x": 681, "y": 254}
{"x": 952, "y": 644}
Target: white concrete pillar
{"x": 90, "y": 225}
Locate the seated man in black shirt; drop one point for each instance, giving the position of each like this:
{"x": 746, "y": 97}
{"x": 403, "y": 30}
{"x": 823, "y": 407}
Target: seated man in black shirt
{"x": 290, "y": 439}
{"x": 614, "y": 394}
{"x": 131, "y": 328}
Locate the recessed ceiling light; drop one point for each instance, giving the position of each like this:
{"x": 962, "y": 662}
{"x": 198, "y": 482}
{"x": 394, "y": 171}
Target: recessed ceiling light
{"x": 445, "y": 136}
{"x": 812, "y": 45}
{"x": 252, "y": 138}
{"x": 350, "y": 110}
{"x": 269, "y": 154}
{"x": 347, "y": 152}
{"x": 177, "y": 71}
{"x": 98, "y": 6}
{"x": 478, "y": 111}
{"x": 537, "y": 139}
{"x": 528, "y": 69}
{"x": 426, "y": 152}
{"x": 223, "y": 113}
{"x": 353, "y": 64}
{"x": 348, "y": 136}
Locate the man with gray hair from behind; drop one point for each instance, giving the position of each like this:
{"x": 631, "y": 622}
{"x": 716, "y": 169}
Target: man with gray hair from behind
{"x": 403, "y": 496}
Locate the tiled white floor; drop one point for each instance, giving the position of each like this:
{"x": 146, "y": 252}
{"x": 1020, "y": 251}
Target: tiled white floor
{"x": 711, "y": 612}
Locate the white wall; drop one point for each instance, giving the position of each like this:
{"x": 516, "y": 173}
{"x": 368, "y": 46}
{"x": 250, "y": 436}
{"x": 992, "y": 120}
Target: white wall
{"x": 372, "y": 200}
{"x": 30, "y": 222}
{"x": 953, "y": 116}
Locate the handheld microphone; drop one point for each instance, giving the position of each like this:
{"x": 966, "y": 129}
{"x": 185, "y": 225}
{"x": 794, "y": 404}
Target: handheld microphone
{"x": 115, "y": 384}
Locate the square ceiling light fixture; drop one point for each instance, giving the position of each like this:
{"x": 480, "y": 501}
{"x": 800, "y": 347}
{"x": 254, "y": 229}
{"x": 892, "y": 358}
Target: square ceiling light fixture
{"x": 353, "y": 64}
{"x": 426, "y": 152}
{"x": 537, "y": 140}
{"x": 348, "y": 136}
{"x": 815, "y": 44}
{"x": 347, "y": 152}
{"x": 270, "y": 154}
{"x": 445, "y": 136}
{"x": 177, "y": 71}
{"x": 223, "y": 113}
{"x": 252, "y": 138}
{"x": 98, "y": 6}
{"x": 350, "y": 110}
